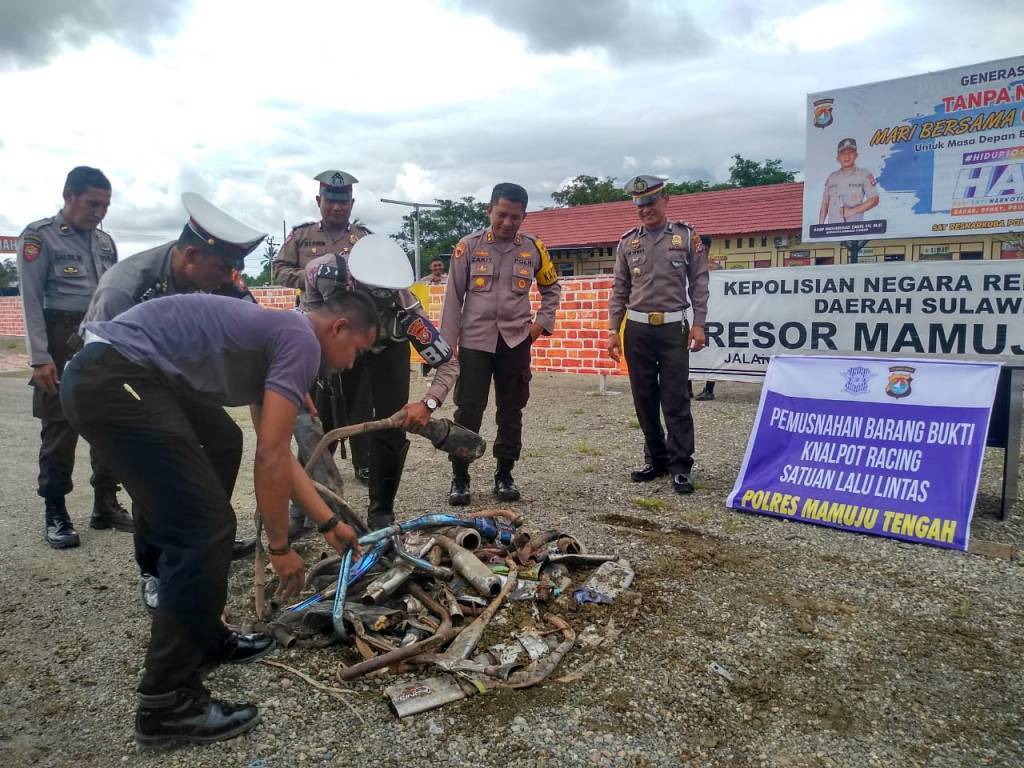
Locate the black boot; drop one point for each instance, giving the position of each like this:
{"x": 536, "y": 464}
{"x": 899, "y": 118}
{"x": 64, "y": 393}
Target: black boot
{"x": 185, "y": 716}
{"x": 107, "y": 512}
{"x": 59, "y": 532}
{"x": 297, "y": 523}
{"x": 242, "y": 548}
{"x": 385, "y": 475}
{"x": 504, "y": 485}
{"x": 459, "y": 495}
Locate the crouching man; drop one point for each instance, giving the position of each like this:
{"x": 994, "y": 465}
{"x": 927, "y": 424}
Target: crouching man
{"x": 134, "y": 391}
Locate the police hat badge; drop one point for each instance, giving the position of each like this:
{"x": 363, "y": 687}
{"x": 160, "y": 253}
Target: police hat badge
{"x": 379, "y": 262}
{"x": 639, "y": 185}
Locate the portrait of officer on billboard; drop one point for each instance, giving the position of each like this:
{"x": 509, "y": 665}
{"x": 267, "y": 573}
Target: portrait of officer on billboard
{"x": 849, "y": 191}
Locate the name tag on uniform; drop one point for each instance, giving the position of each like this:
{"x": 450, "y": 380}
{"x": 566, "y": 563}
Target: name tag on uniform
{"x": 67, "y": 257}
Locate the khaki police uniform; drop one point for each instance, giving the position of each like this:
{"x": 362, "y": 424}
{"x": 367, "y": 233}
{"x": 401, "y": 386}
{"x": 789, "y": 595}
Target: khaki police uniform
{"x": 305, "y": 243}
{"x": 58, "y": 270}
{"x": 847, "y": 188}
{"x": 486, "y": 316}
{"x": 658, "y": 275}
{"x": 146, "y": 275}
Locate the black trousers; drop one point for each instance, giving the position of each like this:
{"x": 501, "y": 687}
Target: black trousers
{"x": 510, "y": 369}
{"x": 335, "y": 410}
{"x": 58, "y": 438}
{"x": 659, "y": 369}
{"x": 386, "y": 375}
{"x": 149, "y": 432}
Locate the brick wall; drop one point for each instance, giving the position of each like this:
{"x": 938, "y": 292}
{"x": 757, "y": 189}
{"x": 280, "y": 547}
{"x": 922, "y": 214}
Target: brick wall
{"x": 581, "y": 327}
{"x": 11, "y": 323}
{"x": 577, "y": 345}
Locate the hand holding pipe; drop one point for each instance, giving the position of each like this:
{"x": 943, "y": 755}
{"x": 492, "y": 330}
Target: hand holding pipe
{"x": 445, "y": 435}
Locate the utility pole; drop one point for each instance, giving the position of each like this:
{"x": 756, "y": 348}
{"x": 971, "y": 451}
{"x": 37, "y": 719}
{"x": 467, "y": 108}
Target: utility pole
{"x": 415, "y": 228}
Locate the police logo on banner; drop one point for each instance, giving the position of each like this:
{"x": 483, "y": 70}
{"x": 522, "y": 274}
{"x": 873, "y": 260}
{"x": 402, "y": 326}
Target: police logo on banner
{"x": 858, "y": 379}
{"x": 823, "y": 113}
{"x": 900, "y": 377}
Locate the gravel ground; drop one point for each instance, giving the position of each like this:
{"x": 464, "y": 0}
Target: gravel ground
{"x": 847, "y": 650}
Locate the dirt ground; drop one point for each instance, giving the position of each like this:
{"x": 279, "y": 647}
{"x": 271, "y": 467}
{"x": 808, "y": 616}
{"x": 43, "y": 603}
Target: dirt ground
{"x": 845, "y": 650}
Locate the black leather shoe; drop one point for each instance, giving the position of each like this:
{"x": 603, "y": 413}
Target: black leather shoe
{"x": 646, "y": 473}
{"x": 681, "y": 484}
{"x": 505, "y": 487}
{"x": 362, "y": 474}
{"x": 298, "y": 526}
{"x": 459, "y": 495}
{"x": 704, "y": 394}
{"x": 58, "y": 531}
{"x": 241, "y": 648}
{"x": 242, "y": 548}
{"x": 191, "y": 719}
{"x": 150, "y": 590}
{"x": 107, "y": 512}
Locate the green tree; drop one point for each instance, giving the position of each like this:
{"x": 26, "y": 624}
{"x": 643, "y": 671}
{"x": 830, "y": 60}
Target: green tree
{"x": 441, "y": 228}
{"x": 689, "y": 187}
{"x": 750, "y": 173}
{"x": 8, "y": 273}
{"x": 588, "y": 190}
{"x": 264, "y": 277}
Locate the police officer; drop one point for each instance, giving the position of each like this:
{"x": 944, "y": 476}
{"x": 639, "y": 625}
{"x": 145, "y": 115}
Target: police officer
{"x": 657, "y": 265}
{"x": 185, "y": 265}
{"x": 386, "y": 366}
{"x": 487, "y": 315}
{"x": 437, "y": 275}
{"x": 334, "y": 233}
{"x": 135, "y": 392}
{"x": 849, "y": 191}
{"x": 60, "y": 260}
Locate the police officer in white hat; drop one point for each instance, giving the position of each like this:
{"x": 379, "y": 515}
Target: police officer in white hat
{"x": 378, "y": 267}
{"x": 185, "y": 265}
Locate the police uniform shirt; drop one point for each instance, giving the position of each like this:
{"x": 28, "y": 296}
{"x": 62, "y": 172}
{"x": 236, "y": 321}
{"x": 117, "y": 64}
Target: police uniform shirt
{"x": 488, "y": 291}
{"x": 655, "y": 271}
{"x": 307, "y": 242}
{"x": 58, "y": 268}
{"x": 218, "y": 346}
{"x": 444, "y": 376}
{"x": 848, "y": 188}
{"x": 146, "y": 275}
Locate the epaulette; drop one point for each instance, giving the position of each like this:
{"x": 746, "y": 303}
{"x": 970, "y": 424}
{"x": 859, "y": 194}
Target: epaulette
{"x": 367, "y": 230}
{"x": 41, "y": 223}
{"x": 306, "y": 224}
{"x": 686, "y": 224}
{"x": 629, "y": 232}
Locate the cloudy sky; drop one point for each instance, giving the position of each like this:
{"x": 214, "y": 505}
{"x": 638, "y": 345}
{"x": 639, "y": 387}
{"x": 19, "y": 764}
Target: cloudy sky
{"x": 245, "y": 102}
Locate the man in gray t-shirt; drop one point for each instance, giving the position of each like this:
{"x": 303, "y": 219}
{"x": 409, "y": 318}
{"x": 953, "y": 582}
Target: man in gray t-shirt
{"x": 133, "y": 392}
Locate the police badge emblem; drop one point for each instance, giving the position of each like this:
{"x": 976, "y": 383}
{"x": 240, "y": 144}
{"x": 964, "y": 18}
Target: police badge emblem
{"x": 677, "y": 241}
{"x": 639, "y": 186}
{"x": 858, "y": 379}
{"x": 822, "y": 113}
{"x": 900, "y": 377}
{"x": 337, "y": 180}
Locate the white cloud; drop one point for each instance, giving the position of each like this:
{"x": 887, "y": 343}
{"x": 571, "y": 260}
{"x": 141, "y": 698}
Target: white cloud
{"x": 420, "y": 99}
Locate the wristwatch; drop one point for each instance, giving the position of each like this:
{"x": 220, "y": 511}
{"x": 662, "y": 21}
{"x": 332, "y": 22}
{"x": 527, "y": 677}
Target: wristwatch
{"x": 431, "y": 403}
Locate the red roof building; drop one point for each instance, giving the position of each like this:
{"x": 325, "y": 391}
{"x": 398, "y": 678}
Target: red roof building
{"x": 751, "y": 210}
{"x": 748, "y": 227}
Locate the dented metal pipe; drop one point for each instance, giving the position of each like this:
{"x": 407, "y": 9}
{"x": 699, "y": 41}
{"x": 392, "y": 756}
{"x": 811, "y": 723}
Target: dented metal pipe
{"x": 469, "y": 566}
{"x": 464, "y": 644}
